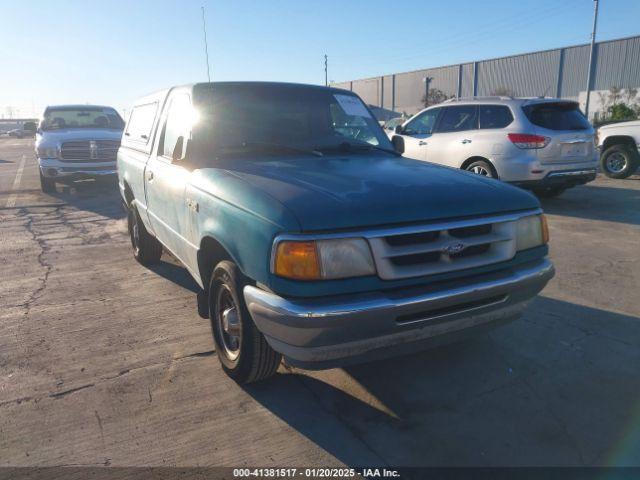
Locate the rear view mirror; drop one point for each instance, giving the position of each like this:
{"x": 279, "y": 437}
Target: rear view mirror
{"x": 398, "y": 129}
{"x": 398, "y": 144}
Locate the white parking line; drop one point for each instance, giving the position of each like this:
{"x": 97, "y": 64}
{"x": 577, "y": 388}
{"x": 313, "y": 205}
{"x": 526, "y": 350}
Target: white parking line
{"x": 16, "y": 183}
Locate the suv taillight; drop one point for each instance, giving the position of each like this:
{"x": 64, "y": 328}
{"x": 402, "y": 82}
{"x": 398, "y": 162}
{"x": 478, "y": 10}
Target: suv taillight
{"x": 525, "y": 140}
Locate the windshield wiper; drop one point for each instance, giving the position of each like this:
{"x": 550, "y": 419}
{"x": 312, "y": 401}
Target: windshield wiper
{"x": 346, "y": 146}
{"x": 276, "y": 146}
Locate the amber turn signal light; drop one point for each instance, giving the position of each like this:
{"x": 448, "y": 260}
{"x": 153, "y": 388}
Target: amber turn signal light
{"x": 297, "y": 260}
{"x": 545, "y": 229}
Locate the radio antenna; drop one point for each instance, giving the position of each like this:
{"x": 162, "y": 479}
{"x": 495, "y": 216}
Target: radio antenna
{"x": 206, "y": 47}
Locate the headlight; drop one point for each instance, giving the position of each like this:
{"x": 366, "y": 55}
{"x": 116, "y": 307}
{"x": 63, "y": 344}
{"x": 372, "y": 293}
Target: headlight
{"x": 48, "y": 152}
{"x": 531, "y": 231}
{"x": 323, "y": 259}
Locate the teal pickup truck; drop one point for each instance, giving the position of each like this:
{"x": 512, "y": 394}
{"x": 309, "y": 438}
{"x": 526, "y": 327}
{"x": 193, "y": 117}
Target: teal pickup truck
{"x": 313, "y": 239}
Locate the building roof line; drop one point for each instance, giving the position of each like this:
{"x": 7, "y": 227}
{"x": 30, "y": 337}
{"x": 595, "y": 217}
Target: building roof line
{"x": 471, "y": 62}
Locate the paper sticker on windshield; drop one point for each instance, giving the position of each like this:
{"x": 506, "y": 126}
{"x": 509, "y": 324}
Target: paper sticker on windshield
{"x": 352, "y": 106}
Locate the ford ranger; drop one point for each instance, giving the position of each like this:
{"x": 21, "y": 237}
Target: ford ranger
{"x": 313, "y": 239}
{"x": 77, "y": 142}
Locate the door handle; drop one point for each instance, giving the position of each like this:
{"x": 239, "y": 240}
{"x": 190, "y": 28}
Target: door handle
{"x": 150, "y": 175}
{"x": 466, "y": 140}
{"x": 422, "y": 143}
{"x": 193, "y": 205}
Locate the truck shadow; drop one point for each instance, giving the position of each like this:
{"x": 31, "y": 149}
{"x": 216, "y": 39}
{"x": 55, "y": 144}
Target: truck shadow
{"x": 557, "y": 387}
{"x": 100, "y": 196}
{"x": 595, "y": 202}
{"x": 170, "y": 269}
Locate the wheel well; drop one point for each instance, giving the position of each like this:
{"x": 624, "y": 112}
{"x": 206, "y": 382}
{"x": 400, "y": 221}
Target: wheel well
{"x": 469, "y": 161}
{"x": 128, "y": 193}
{"x": 211, "y": 253}
{"x": 618, "y": 140}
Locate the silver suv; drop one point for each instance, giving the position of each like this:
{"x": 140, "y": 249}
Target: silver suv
{"x": 546, "y": 145}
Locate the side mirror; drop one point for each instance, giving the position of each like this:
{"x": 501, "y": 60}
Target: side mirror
{"x": 398, "y": 144}
{"x": 178, "y": 149}
{"x": 398, "y": 129}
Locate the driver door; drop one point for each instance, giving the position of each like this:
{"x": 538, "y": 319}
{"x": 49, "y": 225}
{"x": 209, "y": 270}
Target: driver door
{"x": 166, "y": 180}
{"x": 417, "y": 133}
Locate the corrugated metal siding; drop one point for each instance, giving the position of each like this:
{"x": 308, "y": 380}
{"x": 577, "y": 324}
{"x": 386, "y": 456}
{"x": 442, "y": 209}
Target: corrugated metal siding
{"x": 467, "y": 80}
{"x": 574, "y": 71}
{"x": 409, "y": 91}
{"x": 531, "y": 74}
{"x": 345, "y": 85}
{"x": 524, "y": 76}
{"x": 387, "y": 92}
{"x": 617, "y": 64}
{"x": 368, "y": 90}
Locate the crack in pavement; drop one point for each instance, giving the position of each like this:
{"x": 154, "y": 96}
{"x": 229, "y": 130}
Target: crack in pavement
{"x": 107, "y": 378}
{"x": 40, "y": 258}
{"x": 71, "y": 390}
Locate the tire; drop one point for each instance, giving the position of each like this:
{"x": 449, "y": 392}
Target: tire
{"x": 483, "y": 168}
{"x": 48, "y": 185}
{"x": 243, "y": 351}
{"x": 619, "y": 161}
{"x": 549, "y": 192}
{"x": 146, "y": 249}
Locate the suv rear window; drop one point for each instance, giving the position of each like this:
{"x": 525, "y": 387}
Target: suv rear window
{"x": 557, "y": 116}
{"x": 495, "y": 116}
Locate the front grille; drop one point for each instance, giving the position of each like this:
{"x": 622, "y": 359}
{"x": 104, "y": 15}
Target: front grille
{"x": 89, "y": 151}
{"x": 443, "y": 247}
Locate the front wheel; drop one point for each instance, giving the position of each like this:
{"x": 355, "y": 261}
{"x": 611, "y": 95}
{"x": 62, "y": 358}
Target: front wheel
{"x": 483, "y": 168}
{"x": 619, "y": 161}
{"x": 242, "y": 349}
{"x": 48, "y": 185}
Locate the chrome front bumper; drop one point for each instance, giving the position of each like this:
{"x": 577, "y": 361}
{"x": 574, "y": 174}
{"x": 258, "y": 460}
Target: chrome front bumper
{"x": 53, "y": 168}
{"x": 328, "y": 332}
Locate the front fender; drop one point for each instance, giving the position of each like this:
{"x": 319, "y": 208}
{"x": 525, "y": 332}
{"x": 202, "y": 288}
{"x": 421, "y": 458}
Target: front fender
{"x": 241, "y": 218}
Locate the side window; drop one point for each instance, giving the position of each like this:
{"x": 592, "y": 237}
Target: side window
{"x": 423, "y": 124}
{"x": 495, "y": 116}
{"x": 459, "y": 119}
{"x": 141, "y": 122}
{"x": 178, "y": 124}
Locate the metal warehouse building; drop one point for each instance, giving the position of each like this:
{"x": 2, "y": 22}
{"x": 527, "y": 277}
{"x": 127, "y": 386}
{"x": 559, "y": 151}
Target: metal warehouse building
{"x": 560, "y": 72}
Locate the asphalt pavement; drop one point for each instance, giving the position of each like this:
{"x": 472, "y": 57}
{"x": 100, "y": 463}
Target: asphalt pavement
{"x": 106, "y": 362}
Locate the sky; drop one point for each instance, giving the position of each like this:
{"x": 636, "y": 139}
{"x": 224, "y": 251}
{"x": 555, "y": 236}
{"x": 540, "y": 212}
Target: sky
{"x": 111, "y": 52}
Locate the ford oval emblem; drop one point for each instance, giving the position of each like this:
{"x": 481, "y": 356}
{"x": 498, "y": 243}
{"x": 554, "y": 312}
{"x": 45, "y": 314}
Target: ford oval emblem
{"x": 454, "y": 248}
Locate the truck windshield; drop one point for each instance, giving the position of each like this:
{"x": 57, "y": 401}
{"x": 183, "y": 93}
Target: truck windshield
{"x": 557, "y": 116}
{"x": 231, "y": 116}
{"x": 58, "y": 118}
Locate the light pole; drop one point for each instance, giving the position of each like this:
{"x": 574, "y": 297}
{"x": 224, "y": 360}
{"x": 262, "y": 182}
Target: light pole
{"x": 591, "y": 52}
{"x": 326, "y": 81}
{"x": 427, "y": 81}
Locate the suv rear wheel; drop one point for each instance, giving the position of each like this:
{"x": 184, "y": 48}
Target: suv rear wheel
{"x": 619, "y": 161}
{"x": 242, "y": 349}
{"x": 482, "y": 167}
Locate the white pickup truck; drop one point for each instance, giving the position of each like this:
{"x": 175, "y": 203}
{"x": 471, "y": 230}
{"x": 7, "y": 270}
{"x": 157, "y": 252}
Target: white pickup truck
{"x": 75, "y": 142}
{"x": 619, "y": 145}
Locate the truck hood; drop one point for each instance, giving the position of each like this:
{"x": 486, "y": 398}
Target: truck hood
{"x": 361, "y": 190}
{"x": 612, "y": 126}
{"x": 53, "y": 137}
